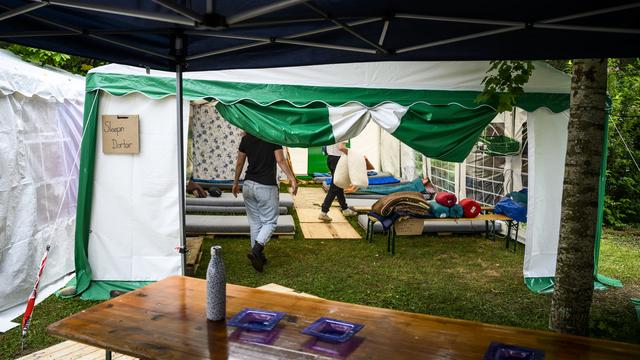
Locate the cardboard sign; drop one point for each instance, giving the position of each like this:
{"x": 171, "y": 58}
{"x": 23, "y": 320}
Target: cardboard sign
{"x": 120, "y": 134}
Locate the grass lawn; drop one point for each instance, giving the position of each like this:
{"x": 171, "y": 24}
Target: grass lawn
{"x": 466, "y": 277}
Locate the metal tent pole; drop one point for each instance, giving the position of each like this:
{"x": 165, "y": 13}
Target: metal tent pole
{"x": 180, "y": 142}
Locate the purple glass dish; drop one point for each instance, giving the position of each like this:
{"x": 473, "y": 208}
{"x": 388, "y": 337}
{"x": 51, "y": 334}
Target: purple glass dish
{"x": 499, "y": 351}
{"x": 333, "y": 349}
{"x": 255, "y": 337}
{"x": 256, "y": 319}
{"x": 332, "y": 330}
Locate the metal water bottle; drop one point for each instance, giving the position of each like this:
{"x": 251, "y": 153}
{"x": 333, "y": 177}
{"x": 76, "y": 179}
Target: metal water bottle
{"x": 216, "y": 286}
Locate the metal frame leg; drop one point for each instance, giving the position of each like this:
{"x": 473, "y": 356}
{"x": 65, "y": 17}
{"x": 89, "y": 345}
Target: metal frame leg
{"x": 493, "y": 230}
{"x": 516, "y": 226}
{"x": 512, "y": 225}
{"x": 508, "y": 237}
{"x": 107, "y": 354}
{"x": 393, "y": 241}
{"x": 486, "y": 229}
{"x": 389, "y": 239}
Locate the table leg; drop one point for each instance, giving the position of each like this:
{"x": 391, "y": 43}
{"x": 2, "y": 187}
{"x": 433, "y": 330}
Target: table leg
{"x": 107, "y": 354}
{"x": 368, "y": 230}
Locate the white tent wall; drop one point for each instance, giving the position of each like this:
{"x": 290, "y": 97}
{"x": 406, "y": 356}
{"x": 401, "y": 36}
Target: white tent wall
{"x": 299, "y": 160}
{"x": 134, "y": 221}
{"x": 547, "y": 134}
{"x": 40, "y": 134}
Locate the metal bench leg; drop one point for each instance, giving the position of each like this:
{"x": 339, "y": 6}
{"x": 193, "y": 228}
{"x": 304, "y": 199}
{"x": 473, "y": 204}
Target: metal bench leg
{"x": 393, "y": 241}
{"x": 389, "y": 239}
{"x": 486, "y": 229}
{"x": 107, "y": 354}
{"x": 493, "y": 230}
{"x": 516, "y": 225}
{"x": 508, "y": 237}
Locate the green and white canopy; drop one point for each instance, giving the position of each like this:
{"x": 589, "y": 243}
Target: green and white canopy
{"x": 430, "y": 106}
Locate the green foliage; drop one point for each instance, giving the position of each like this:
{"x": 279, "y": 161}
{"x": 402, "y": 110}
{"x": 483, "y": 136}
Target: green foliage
{"x": 72, "y": 64}
{"x": 505, "y": 83}
{"x": 623, "y": 177}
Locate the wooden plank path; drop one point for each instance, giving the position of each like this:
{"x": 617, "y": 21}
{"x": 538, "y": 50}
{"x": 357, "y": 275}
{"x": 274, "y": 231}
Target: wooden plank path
{"x": 305, "y": 203}
{"x": 194, "y": 247}
{"x": 71, "y": 350}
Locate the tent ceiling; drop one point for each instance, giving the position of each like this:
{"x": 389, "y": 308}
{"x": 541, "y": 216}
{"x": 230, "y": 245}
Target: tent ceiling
{"x": 262, "y": 33}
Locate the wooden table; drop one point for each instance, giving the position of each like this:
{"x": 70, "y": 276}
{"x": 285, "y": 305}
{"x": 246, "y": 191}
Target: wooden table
{"x": 166, "y": 320}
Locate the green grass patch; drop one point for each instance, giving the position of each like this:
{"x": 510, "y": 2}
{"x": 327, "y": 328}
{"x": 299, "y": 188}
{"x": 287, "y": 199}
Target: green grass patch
{"x": 465, "y": 277}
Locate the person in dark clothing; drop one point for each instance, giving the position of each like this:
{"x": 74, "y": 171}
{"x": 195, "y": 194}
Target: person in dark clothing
{"x": 333, "y": 156}
{"x": 260, "y": 191}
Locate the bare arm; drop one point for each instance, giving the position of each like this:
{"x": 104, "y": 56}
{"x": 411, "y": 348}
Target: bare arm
{"x": 342, "y": 147}
{"x": 241, "y": 158}
{"x": 284, "y": 165}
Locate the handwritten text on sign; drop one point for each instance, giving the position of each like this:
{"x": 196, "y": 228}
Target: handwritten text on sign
{"x": 120, "y": 134}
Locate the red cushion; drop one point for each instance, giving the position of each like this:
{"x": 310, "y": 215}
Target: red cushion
{"x": 471, "y": 207}
{"x": 446, "y": 199}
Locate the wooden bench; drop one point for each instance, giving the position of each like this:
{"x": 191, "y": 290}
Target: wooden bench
{"x": 489, "y": 221}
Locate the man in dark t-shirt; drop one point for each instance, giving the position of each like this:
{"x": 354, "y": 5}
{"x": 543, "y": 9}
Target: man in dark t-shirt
{"x": 260, "y": 191}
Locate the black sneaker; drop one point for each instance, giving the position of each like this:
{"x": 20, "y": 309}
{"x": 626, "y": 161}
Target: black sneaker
{"x": 256, "y": 257}
{"x": 116, "y": 293}
{"x": 264, "y": 258}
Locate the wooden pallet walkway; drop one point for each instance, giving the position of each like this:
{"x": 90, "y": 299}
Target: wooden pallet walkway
{"x": 194, "y": 247}
{"x": 283, "y": 289}
{"x": 71, "y": 350}
{"x": 305, "y": 203}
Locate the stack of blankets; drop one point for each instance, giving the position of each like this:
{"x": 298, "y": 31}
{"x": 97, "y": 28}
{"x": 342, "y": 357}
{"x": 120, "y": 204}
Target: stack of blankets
{"x": 399, "y": 205}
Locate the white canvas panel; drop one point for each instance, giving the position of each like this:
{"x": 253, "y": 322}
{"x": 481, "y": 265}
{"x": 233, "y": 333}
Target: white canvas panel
{"x": 389, "y": 154}
{"x": 38, "y": 106}
{"x": 34, "y": 196}
{"x": 299, "y": 160}
{"x": 547, "y": 149}
{"x": 135, "y": 223}
{"x": 408, "y": 162}
{"x": 368, "y": 143}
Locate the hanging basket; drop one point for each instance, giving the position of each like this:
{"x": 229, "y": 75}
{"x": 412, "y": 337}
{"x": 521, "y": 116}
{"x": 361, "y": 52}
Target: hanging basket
{"x": 499, "y": 145}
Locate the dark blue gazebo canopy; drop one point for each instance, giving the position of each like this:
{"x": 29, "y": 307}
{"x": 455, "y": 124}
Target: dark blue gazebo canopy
{"x": 226, "y": 34}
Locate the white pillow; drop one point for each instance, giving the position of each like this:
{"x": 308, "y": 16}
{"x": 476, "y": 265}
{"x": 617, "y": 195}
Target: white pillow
{"x": 357, "y": 169}
{"x": 341, "y": 175}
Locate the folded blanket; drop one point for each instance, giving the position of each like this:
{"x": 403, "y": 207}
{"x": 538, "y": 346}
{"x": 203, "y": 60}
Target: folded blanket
{"x": 438, "y": 210}
{"x": 446, "y": 198}
{"x": 376, "y": 180}
{"x": 471, "y": 207}
{"x": 456, "y": 211}
{"x": 328, "y": 175}
{"x": 413, "y": 186}
{"x": 408, "y": 201}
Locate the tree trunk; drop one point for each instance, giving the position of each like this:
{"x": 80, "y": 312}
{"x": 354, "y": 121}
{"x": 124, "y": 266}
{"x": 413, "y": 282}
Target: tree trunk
{"x": 573, "y": 293}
